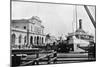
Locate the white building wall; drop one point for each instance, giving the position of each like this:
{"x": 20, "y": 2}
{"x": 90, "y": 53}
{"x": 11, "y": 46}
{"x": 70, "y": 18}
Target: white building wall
{"x": 17, "y": 37}
{"x": 20, "y": 25}
{"x": 32, "y": 31}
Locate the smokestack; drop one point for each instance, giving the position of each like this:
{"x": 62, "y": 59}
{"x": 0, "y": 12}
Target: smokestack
{"x": 80, "y": 23}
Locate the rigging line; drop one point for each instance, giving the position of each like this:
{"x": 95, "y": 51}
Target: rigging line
{"x": 88, "y": 25}
{"x": 91, "y": 28}
{"x": 92, "y": 9}
{"x": 73, "y": 20}
{"x": 90, "y": 16}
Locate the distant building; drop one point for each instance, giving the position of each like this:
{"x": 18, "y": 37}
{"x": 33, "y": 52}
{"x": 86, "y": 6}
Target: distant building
{"x": 50, "y": 40}
{"x": 27, "y": 32}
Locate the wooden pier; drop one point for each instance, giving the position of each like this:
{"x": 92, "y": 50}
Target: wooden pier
{"x": 38, "y": 57}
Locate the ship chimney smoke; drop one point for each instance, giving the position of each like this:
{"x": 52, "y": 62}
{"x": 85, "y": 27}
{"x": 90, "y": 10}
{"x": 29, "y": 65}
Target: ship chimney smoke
{"x": 80, "y": 23}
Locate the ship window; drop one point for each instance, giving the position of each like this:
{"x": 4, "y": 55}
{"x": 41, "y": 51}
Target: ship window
{"x": 90, "y": 37}
{"x": 77, "y": 36}
{"x": 82, "y": 37}
{"x": 68, "y": 38}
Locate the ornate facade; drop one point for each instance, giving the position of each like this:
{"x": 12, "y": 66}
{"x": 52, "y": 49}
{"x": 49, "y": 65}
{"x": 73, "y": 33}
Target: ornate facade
{"x": 27, "y": 32}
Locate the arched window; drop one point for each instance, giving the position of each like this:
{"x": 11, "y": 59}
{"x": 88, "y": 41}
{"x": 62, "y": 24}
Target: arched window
{"x": 24, "y": 27}
{"x": 20, "y": 38}
{"x": 35, "y": 40}
{"x": 13, "y": 39}
{"x": 42, "y": 40}
{"x": 31, "y": 40}
{"x": 25, "y": 39}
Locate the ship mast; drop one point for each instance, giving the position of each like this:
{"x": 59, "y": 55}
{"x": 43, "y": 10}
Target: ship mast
{"x": 74, "y": 27}
{"x": 76, "y": 15}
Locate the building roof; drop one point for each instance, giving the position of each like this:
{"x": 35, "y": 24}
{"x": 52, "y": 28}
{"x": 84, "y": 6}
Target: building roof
{"x": 36, "y": 18}
{"x": 30, "y": 20}
{"x": 20, "y": 20}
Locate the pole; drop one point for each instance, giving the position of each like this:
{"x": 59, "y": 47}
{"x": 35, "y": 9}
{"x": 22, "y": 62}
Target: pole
{"x": 76, "y": 15}
{"x": 90, "y": 16}
{"x": 28, "y": 34}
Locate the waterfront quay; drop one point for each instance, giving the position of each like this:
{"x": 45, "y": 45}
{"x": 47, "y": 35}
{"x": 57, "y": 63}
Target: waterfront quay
{"x": 37, "y": 56}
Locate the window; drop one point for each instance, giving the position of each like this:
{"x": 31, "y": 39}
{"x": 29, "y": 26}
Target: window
{"x": 24, "y": 27}
{"x": 37, "y": 30}
{"x": 42, "y": 40}
{"x": 35, "y": 40}
{"x": 25, "y": 39}
{"x": 20, "y": 37}
{"x": 13, "y": 38}
{"x": 31, "y": 40}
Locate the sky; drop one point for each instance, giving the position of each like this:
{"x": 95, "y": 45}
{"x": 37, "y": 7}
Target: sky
{"x": 58, "y": 19}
